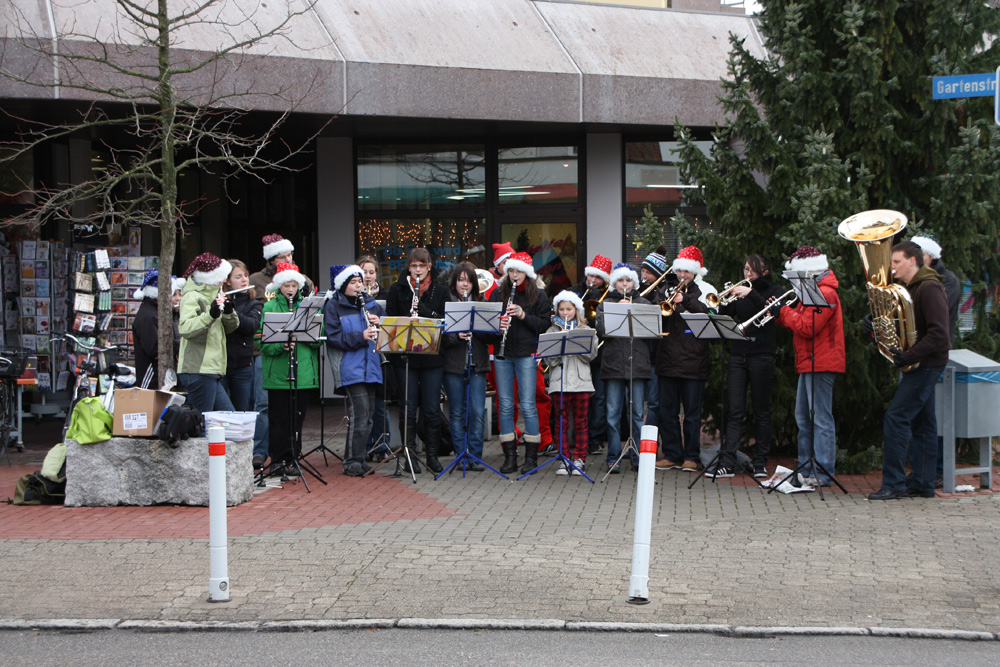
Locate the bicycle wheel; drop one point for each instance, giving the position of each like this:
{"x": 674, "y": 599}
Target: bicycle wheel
{"x": 8, "y": 409}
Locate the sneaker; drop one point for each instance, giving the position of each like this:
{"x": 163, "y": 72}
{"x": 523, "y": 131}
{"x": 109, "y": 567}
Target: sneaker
{"x": 258, "y": 462}
{"x": 578, "y": 470}
{"x": 760, "y": 472}
{"x": 720, "y": 471}
{"x": 667, "y": 464}
{"x": 563, "y": 469}
{"x": 614, "y": 469}
{"x": 549, "y": 450}
{"x": 354, "y": 470}
{"x": 596, "y": 448}
{"x": 690, "y": 466}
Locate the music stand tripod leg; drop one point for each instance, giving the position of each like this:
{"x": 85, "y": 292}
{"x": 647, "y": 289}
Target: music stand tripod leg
{"x": 629, "y": 445}
{"x": 404, "y": 447}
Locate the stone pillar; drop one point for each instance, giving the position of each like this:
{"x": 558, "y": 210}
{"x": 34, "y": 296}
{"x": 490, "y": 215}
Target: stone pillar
{"x": 605, "y": 192}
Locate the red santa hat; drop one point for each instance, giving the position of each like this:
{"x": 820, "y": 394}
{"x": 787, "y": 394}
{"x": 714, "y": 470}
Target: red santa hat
{"x": 274, "y": 245}
{"x": 807, "y": 258}
{"x": 521, "y": 261}
{"x": 207, "y": 269}
{"x": 600, "y": 267}
{"x": 689, "y": 259}
{"x": 501, "y": 251}
{"x": 284, "y": 273}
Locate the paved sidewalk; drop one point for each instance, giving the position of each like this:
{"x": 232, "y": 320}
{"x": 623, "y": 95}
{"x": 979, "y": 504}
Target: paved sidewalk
{"x": 548, "y": 547}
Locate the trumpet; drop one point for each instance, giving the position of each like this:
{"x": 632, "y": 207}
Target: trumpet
{"x": 765, "y": 316}
{"x": 590, "y": 307}
{"x": 726, "y": 296}
{"x": 667, "y": 306}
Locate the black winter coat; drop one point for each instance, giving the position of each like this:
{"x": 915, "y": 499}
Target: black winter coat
{"x": 522, "y": 336}
{"x": 623, "y": 358}
{"x": 680, "y": 354}
{"x": 239, "y": 343}
{"x": 397, "y": 303}
{"x": 455, "y": 350}
{"x": 144, "y": 336}
{"x": 743, "y": 309}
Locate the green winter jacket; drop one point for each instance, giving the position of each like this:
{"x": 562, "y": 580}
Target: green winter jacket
{"x": 275, "y": 357}
{"x": 203, "y": 337}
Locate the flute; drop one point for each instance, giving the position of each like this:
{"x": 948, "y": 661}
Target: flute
{"x": 234, "y": 291}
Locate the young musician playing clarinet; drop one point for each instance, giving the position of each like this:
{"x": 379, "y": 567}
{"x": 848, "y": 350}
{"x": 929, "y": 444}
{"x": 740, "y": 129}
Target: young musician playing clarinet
{"x": 526, "y": 315}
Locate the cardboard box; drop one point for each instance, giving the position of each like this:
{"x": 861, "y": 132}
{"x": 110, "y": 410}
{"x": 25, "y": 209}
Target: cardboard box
{"x": 137, "y": 410}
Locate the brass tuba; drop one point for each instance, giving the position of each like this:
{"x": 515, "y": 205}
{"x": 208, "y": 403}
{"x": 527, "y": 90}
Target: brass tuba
{"x": 891, "y": 305}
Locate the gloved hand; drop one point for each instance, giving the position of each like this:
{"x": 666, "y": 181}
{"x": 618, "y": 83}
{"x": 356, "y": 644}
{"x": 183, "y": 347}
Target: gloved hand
{"x": 775, "y": 309}
{"x": 868, "y": 325}
{"x": 214, "y": 310}
{"x": 897, "y": 357}
{"x": 228, "y": 308}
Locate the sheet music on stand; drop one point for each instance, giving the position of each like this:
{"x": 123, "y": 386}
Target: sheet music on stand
{"x": 475, "y": 316}
{"x": 281, "y": 328}
{"x": 711, "y": 326}
{"x": 632, "y": 320}
{"x": 409, "y": 335}
{"x": 807, "y": 288}
{"x": 569, "y": 342}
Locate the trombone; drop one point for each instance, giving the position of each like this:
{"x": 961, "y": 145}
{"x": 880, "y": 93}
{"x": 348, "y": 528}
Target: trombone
{"x": 590, "y": 307}
{"x": 725, "y": 297}
{"x": 656, "y": 283}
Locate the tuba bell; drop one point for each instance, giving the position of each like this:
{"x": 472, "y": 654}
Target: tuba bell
{"x": 891, "y": 305}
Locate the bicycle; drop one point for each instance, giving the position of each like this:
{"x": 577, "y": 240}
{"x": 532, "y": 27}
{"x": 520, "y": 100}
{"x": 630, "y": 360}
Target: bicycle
{"x": 12, "y": 365}
{"x": 90, "y": 369}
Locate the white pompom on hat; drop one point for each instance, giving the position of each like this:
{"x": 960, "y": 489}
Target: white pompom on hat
{"x": 566, "y": 295}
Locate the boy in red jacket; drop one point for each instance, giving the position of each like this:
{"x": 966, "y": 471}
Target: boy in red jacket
{"x": 819, "y": 332}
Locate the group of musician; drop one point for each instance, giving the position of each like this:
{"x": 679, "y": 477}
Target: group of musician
{"x": 597, "y": 401}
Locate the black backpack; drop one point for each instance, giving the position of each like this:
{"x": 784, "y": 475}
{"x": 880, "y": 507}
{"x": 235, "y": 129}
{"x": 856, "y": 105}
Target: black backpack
{"x": 180, "y": 422}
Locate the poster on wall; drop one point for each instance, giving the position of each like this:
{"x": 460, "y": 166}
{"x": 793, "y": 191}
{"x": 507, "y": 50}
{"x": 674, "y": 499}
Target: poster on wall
{"x": 552, "y": 247}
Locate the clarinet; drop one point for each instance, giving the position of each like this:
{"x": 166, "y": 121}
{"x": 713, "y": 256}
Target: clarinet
{"x": 365, "y": 314}
{"x": 503, "y": 339}
{"x": 415, "y": 304}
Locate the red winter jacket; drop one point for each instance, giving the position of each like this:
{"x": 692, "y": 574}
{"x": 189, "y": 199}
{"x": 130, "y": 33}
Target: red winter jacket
{"x": 829, "y": 331}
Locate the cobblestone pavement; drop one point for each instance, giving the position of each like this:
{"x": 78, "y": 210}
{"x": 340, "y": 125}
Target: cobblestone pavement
{"x": 548, "y": 547}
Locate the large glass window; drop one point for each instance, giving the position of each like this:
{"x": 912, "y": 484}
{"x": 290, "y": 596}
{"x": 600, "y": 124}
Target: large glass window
{"x": 394, "y": 177}
{"x": 450, "y": 240}
{"x": 651, "y": 173}
{"x": 538, "y": 175}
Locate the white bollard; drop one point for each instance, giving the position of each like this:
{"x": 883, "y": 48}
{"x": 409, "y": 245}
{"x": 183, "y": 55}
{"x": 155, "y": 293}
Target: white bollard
{"x": 638, "y": 587}
{"x": 218, "y": 577}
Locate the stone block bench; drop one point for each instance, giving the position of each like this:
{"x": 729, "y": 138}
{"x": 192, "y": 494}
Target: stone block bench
{"x": 147, "y": 471}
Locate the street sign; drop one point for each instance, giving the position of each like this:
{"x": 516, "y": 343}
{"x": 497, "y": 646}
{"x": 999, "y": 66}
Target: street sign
{"x": 996, "y": 98}
{"x": 964, "y": 85}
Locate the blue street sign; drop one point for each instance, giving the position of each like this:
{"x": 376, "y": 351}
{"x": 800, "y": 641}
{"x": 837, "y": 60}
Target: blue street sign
{"x": 996, "y": 98}
{"x": 965, "y": 85}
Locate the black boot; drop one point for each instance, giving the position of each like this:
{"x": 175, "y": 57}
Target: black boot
{"x": 433, "y": 464}
{"x": 406, "y": 465}
{"x": 530, "y": 457}
{"x": 509, "y": 456}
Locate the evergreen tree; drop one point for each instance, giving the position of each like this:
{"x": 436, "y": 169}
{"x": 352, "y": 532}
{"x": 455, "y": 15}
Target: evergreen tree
{"x": 837, "y": 119}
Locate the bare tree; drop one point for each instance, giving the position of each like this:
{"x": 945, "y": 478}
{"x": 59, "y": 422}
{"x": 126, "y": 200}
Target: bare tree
{"x": 179, "y": 78}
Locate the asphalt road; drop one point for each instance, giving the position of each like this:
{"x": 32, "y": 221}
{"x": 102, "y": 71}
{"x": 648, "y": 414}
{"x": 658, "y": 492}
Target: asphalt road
{"x": 438, "y": 648}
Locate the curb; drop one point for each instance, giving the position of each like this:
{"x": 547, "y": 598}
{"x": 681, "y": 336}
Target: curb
{"x": 545, "y": 624}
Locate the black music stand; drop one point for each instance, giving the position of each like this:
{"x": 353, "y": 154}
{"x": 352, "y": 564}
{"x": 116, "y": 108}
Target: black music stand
{"x": 716, "y": 327}
{"x": 406, "y": 336}
{"x": 470, "y": 317}
{"x": 299, "y": 326}
{"x": 323, "y": 362}
{"x": 630, "y": 320}
{"x": 564, "y": 344}
{"x": 806, "y": 286}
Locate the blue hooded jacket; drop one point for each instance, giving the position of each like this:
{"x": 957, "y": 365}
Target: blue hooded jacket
{"x": 353, "y": 359}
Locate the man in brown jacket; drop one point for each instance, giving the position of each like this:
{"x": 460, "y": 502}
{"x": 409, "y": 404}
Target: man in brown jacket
{"x": 276, "y": 249}
{"x": 910, "y": 422}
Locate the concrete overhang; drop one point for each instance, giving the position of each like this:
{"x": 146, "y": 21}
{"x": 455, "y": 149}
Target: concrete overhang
{"x": 491, "y": 60}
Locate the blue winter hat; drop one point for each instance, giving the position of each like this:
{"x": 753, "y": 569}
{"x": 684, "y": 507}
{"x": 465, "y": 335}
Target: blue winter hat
{"x": 149, "y": 287}
{"x": 340, "y": 275}
{"x": 623, "y": 270}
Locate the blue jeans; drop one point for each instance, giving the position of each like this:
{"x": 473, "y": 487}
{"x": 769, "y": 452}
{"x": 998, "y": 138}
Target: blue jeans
{"x": 910, "y": 423}
{"x": 260, "y": 434}
{"x": 505, "y": 370}
{"x": 425, "y": 391}
{"x": 380, "y": 425}
{"x": 598, "y": 407}
{"x": 239, "y": 384}
{"x": 454, "y": 387}
{"x": 360, "y": 401}
{"x": 206, "y": 392}
{"x": 823, "y": 440}
{"x": 616, "y": 391}
{"x": 652, "y": 402}
{"x": 681, "y": 446}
